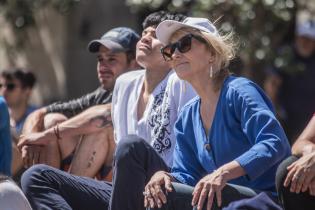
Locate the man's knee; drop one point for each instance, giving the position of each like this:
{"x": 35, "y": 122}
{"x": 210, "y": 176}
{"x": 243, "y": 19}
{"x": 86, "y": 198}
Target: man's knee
{"x": 130, "y": 145}
{"x": 32, "y": 175}
{"x": 53, "y": 119}
{"x": 282, "y": 171}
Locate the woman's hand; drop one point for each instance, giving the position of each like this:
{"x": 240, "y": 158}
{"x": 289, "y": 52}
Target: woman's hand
{"x": 209, "y": 186}
{"x": 153, "y": 193}
{"x": 301, "y": 173}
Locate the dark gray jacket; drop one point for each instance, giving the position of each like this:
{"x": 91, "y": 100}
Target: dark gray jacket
{"x": 76, "y": 106}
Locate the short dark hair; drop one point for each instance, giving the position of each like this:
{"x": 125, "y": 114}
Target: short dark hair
{"x": 26, "y": 78}
{"x": 157, "y": 17}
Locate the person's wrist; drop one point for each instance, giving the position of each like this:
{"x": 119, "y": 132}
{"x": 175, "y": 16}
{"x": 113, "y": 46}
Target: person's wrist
{"x": 169, "y": 175}
{"x": 224, "y": 173}
{"x": 305, "y": 150}
{"x": 49, "y": 134}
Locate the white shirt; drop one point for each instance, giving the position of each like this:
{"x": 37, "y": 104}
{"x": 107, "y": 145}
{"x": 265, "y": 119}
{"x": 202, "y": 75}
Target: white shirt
{"x": 157, "y": 123}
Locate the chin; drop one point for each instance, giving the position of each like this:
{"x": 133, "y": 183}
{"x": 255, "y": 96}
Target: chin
{"x": 108, "y": 85}
{"x": 181, "y": 75}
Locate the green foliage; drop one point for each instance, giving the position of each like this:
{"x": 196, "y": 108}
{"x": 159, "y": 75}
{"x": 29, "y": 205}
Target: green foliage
{"x": 261, "y": 25}
{"x": 20, "y": 13}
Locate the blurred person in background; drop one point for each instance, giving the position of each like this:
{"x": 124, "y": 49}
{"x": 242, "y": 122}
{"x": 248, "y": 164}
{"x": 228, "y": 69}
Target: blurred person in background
{"x": 271, "y": 85}
{"x": 77, "y": 135}
{"x": 16, "y": 87}
{"x": 5, "y": 139}
{"x": 298, "y": 88}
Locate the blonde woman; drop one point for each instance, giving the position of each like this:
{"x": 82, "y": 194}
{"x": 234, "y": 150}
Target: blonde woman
{"x": 229, "y": 142}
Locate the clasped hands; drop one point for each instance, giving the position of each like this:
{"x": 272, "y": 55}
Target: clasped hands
{"x": 30, "y": 147}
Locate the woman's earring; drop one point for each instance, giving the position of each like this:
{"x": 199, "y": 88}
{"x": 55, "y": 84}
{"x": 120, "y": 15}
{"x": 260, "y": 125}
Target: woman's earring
{"x": 211, "y": 72}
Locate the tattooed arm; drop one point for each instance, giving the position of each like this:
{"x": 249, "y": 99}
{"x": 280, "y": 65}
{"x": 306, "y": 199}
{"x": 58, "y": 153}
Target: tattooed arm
{"x": 92, "y": 120}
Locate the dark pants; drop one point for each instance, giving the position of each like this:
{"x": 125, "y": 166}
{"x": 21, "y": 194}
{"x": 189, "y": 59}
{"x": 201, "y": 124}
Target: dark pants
{"x": 49, "y": 188}
{"x": 181, "y": 196}
{"x": 135, "y": 163}
{"x": 289, "y": 200}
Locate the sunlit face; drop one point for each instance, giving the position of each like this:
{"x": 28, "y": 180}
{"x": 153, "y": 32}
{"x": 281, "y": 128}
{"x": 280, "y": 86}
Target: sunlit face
{"x": 305, "y": 46}
{"x": 13, "y": 92}
{"x": 148, "y": 48}
{"x": 193, "y": 62}
{"x": 109, "y": 66}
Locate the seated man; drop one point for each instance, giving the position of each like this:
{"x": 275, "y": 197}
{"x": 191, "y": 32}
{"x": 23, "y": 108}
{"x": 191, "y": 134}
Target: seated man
{"x": 295, "y": 177}
{"x": 146, "y": 104}
{"x": 16, "y": 87}
{"x": 80, "y": 123}
{"x": 5, "y": 140}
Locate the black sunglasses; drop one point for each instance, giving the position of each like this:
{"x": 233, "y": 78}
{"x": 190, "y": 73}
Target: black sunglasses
{"x": 183, "y": 45}
{"x": 9, "y": 86}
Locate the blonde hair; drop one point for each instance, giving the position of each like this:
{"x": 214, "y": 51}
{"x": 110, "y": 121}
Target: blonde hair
{"x": 223, "y": 46}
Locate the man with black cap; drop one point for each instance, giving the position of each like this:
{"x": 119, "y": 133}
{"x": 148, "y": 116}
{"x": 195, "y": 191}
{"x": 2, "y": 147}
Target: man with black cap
{"x": 79, "y": 131}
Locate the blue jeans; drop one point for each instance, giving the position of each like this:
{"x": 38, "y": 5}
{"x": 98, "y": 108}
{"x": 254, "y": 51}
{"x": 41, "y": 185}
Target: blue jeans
{"x": 135, "y": 162}
{"x": 181, "y": 196}
{"x": 50, "y": 188}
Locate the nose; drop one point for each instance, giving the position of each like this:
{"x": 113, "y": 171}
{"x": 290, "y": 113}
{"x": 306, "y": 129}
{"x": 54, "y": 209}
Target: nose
{"x": 176, "y": 54}
{"x": 146, "y": 38}
{"x": 103, "y": 64}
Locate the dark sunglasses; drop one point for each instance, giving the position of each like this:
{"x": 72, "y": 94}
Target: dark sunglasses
{"x": 9, "y": 86}
{"x": 183, "y": 45}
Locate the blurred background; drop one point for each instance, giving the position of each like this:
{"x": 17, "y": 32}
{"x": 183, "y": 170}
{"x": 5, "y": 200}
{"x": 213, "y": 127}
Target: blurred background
{"x": 49, "y": 37}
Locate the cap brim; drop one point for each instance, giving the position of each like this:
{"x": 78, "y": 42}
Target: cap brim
{"x": 94, "y": 46}
{"x": 165, "y": 30}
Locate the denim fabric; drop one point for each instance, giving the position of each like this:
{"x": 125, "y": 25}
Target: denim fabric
{"x": 50, "y": 188}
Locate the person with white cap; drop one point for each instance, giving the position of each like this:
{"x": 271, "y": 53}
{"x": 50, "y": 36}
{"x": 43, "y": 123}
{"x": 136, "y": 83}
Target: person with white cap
{"x": 305, "y": 38}
{"x": 77, "y": 135}
{"x": 298, "y": 72}
{"x": 229, "y": 142}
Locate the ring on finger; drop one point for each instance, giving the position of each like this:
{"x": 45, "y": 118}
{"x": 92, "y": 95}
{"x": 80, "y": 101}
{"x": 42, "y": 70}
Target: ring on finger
{"x": 146, "y": 193}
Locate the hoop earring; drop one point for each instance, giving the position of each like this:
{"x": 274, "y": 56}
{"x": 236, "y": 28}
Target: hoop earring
{"x": 211, "y": 72}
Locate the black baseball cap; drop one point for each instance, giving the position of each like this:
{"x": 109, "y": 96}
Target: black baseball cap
{"x": 121, "y": 39}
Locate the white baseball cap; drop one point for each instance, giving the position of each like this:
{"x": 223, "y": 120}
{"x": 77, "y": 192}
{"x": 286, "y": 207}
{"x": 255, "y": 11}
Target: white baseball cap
{"x": 306, "y": 28}
{"x": 166, "y": 28}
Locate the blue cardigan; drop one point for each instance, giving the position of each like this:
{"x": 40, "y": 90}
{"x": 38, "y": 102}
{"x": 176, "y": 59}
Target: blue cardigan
{"x": 244, "y": 129}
